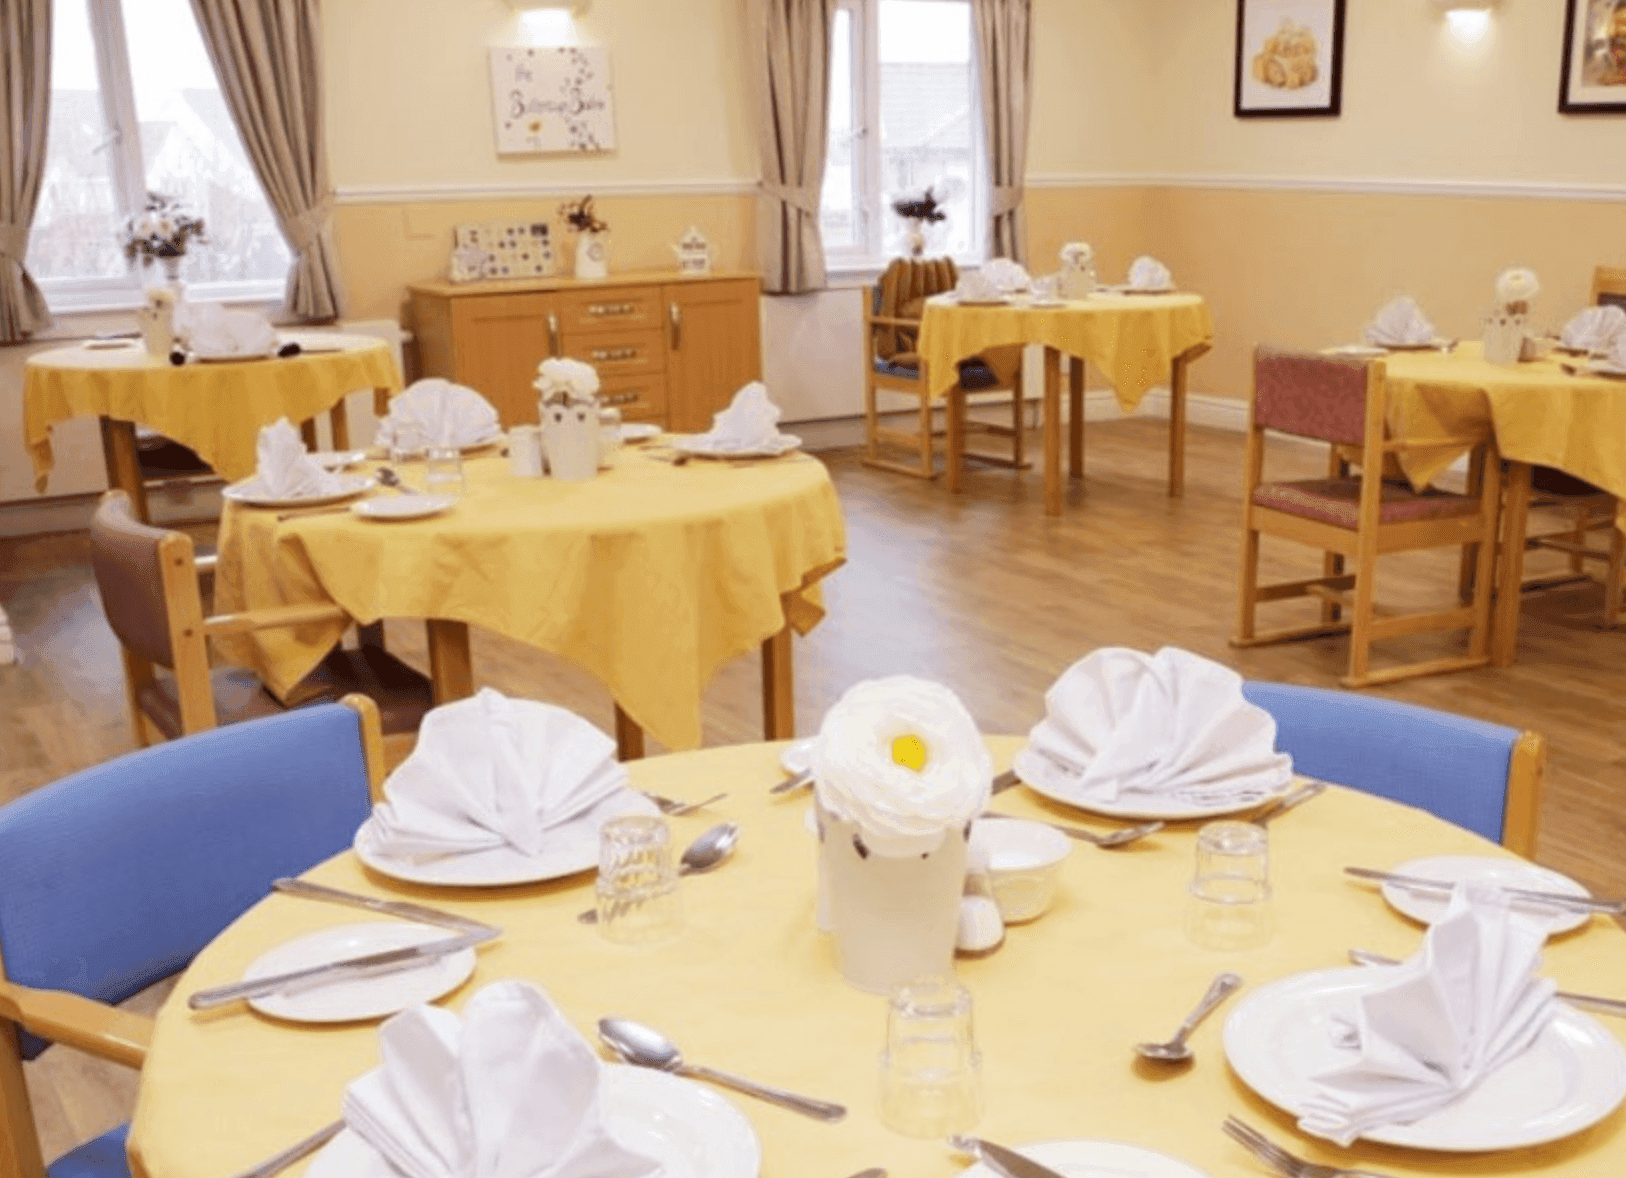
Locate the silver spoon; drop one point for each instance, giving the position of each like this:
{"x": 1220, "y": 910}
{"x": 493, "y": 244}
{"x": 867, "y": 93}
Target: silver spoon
{"x": 648, "y": 1048}
{"x": 1175, "y": 1049}
{"x": 872, "y": 1172}
{"x": 706, "y": 852}
{"x": 392, "y": 480}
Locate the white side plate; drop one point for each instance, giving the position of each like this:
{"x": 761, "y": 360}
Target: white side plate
{"x": 640, "y": 431}
{"x": 1039, "y": 774}
{"x": 251, "y": 493}
{"x": 1428, "y": 906}
{"x": 1098, "y": 1159}
{"x": 797, "y": 757}
{"x": 703, "y": 446}
{"x": 403, "y": 506}
{"x": 358, "y": 998}
{"x": 337, "y": 459}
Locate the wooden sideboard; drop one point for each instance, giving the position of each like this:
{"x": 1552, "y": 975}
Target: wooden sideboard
{"x": 670, "y": 349}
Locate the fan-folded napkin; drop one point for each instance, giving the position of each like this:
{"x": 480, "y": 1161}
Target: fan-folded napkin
{"x": 1616, "y": 353}
{"x": 751, "y": 421}
{"x": 211, "y": 331}
{"x": 1595, "y": 329}
{"x": 285, "y": 470}
{"x": 1400, "y": 323}
{"x": 1120, "y": 723}
{"x": 490, "y": 771}
{"x": 1461, "y": 1007}
{"x": 976, "y": 287}
{"x": 509, "y": 1090}
{"x": 1006, "y": 274}
{"x": 440, "y": 413}
{"x": 1147, "y": 273}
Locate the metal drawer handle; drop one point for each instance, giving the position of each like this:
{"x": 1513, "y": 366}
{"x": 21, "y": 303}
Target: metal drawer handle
{"x": 615, "y": 353}
{"x": 612, "y": 308}
{"x": 626, "y": 398}
{"x": 674, "y": 315}
{"x": 553, "y": 334}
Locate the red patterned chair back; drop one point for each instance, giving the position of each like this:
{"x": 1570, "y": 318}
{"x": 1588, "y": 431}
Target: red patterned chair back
{"x": 1311, "y": 395}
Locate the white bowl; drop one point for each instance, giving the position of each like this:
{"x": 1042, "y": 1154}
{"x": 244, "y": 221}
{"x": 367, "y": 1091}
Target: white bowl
{"x": 1024, "y": 863}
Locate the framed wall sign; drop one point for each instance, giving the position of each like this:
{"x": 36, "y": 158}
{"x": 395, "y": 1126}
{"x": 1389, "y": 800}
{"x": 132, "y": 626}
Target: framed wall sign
{"x": 1289, "y": 58}
{"x": 1592, "y": 78}
{"x": 552, "y": 100}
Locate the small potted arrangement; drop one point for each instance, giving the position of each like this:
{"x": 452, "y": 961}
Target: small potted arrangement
{"x": 1077, "y": 279}
{"x": 1508, "y": 323}
{"x": 918, "y": 212}
{"x": 592, "y": 238}
{"x": 161, "y": 232}
{"x": 568, "y": 407}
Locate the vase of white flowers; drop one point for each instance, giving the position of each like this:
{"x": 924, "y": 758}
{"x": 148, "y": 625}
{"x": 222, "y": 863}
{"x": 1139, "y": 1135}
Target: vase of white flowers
{"x": 592, "y": 238}
{"x": 1509, "y": 321}
{"x": 569, "y": 408}
{"x": 161, "y": 233}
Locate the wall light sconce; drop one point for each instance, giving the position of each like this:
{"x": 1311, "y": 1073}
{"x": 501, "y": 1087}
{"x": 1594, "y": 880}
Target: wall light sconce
{"x": 576, "y": 7}
{"x": 1468, "y": 20}
{"x": 1449, "y": 6}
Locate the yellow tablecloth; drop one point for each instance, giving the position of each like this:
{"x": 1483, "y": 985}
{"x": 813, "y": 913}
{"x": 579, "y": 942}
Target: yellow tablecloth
{"x": 1540, "y": 414}
{"x": 750, "y": 986}
{"x": 1132, "y": 339}
{"x": 649, "y": 577}
{"x": 216, "y": 409}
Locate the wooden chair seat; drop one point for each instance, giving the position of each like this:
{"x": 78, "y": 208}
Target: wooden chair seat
{"x": 1338, "y": 501}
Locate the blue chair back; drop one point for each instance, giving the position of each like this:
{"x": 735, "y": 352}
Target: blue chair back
{"x": 1453, "y": 767}
{"x": 115, "y": 877}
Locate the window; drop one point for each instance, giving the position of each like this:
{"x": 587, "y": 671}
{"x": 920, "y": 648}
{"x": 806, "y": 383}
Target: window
{"x": 905, "y": 115}
{"x": 135, "y": 106}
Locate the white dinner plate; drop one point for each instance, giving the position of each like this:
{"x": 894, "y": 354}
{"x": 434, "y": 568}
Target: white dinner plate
{"x": 251, "y": 493}
{"x": 1427, "y": 906}
{"x": 692, "y": 1131}
{"x": 640, "y": 431}
{"x": 569, "y": 848}
{"x": 1098, "y": 1159}
{"x": 1605, "y": 368}
{"x": 232, "y": 357}
{"x": 1045, "y": 777}
{"x": 337, "y": 459}
{"x": 1571, "y": 1077}
{"x": 403, "y": 506}
{"x": 701, "y": 446}
{"x": 1432, "y": 345}
{"x": 797, "y": 757}
{"x": 1354, "y": 350}
{"x": 1145, "y": 290}
{"x": 358, "y": 998}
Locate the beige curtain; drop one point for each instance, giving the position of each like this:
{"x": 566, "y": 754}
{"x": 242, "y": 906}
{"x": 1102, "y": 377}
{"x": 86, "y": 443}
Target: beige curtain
{"x": 788, "y": 54}
{"x": 268, "y": 56}
{"x": 25, "y": 96}
{"x": 1005, "y": 54}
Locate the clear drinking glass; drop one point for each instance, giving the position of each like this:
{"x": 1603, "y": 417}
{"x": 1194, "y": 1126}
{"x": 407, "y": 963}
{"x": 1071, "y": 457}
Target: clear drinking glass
{"x": 638, "y": 900}
{"x": 407, "y": 442}
{"x": 931, "y": 1070}
{"x": 443, "y": 471}
{"x": 1229, "y": 905}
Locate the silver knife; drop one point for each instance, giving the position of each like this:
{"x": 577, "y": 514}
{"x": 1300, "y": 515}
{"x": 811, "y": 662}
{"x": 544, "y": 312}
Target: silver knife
{"x": 1009, "y": 1163}
{"x": 415, "y": 912}
{"x": 1287, "y": 801}
{"x": 791, "y": 784}
{"x": 1593, "y": 1001}
{"x": 1550, "y": 899}
{"x": 404, "y": 957}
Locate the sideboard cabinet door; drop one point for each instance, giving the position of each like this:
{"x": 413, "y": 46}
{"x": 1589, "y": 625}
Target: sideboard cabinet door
{"x": 713, "y": 346}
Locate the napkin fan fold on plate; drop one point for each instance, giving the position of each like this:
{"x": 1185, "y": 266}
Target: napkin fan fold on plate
{"x": 285, "y": 470}
{"x": 509, "y": 1090}
{"x": 1120, "y": 723}
{"x": 440, "y": 413}
{"x": 210, "y": 331}
{"x": 1147, "y": 273}
{"x": 1400, "y": 323}
{"x": 1596, "y": 329}
{"x": 490, "y": 771}
{"x": 751, "y": 422}
{"x": 1444, "y": 1019}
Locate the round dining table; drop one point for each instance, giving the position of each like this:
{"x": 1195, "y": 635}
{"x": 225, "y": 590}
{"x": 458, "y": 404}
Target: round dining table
{"x": 751, "y": 986}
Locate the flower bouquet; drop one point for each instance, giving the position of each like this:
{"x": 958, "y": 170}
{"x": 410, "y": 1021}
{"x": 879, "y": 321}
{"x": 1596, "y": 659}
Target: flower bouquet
{"x": 919, "y": 212}
{"x": 162, "y": 230}
{"x": 592, "y": 238}
{"x": 1506, "y": 325}
{"x": 568, "y": 409}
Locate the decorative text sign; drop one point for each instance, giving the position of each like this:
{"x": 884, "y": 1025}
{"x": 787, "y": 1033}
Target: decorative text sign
{"x": 552, "y": 100}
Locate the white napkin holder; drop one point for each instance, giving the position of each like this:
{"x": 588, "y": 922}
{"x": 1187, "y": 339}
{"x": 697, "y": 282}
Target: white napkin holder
{"x": 894, "y": 919}
{"x": 525, "y": 452}
{"x": 570, "y": 439}
{"x": 1504, "y": 336}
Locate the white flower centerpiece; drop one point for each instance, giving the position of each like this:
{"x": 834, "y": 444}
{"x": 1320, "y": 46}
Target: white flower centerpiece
{"x": 1508, "y": 322}
{"x": 899, "y": 773}
{"x": 1077, "y": 279}
{"x": 568, "y": 409}
{"x": 161, "y": 232}
{"x": 592, "y": 238}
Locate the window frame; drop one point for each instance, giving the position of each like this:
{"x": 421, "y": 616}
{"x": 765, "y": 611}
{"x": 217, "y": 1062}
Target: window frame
{"x": 869, "y": 211}
{"x": 127, "y": 168}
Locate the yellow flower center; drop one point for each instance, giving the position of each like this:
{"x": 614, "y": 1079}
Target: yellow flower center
{"x": 910, "y": 752}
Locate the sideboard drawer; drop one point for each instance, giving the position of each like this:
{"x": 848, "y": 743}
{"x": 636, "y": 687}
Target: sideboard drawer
{"x": 640, "y": 398}
{"x": 627, "y": 308}
{"x": 621, "y": 353}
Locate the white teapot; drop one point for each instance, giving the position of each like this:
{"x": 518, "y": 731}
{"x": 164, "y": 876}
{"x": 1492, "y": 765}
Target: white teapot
{"x": 693, "y": 253}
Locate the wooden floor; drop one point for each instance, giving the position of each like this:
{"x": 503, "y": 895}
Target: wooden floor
{"x": 982, "y": 592}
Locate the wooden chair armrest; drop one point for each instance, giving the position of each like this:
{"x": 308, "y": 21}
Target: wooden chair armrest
{"x": 274, "y": 616}
{"x": 102, "y": 1030}
{"x": 206, "y": 563}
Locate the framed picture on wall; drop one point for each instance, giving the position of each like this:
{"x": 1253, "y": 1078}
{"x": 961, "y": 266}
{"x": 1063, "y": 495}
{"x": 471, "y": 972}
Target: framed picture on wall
{"x": 1593, "y": 77}
{"x": 1289, "y": 57}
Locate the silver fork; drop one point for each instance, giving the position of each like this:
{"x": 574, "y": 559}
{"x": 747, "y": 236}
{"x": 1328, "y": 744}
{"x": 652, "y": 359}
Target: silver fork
{"x": 1115, "y": 838}
{"x": 1284, "y": 1163}
{"x": 674, "y": 808}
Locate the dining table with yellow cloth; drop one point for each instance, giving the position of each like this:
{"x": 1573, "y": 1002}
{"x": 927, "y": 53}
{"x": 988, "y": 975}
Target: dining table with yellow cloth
{"x": 1547, "y": 412}
{"x": 214, "y": 408}
{"x": 649, "y": 577}
{"x": 1136, "y": 340}
{"x": 750, "y": 986}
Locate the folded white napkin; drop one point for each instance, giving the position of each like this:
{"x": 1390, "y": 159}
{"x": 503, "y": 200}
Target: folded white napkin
{"x": 211, "y": 331}
{"x": 440, "y": 413}
{"x": 975, "y": 287}
{"x": 1005, "y": 274}
{"x": 1616, "y": 355}
{"x": 1596, "y": 329}
{"x": 751, "y": 421}
{"x": 509, "y": 1090}
{"x": 285, "y": 470}
{"x": 1120, "y": 723}
{"x": 1438, "y": 1023}
{"x": 1399, "y": 323}
{"x": 490, "y": 771}
{"x": 1147, "y": 273}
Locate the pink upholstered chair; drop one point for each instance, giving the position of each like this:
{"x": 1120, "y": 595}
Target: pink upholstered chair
{"x": 1355, "y": 517}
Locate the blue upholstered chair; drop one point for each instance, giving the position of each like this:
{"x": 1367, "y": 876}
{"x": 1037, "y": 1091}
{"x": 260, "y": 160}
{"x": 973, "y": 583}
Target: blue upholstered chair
{"x": 1480, "y": 776}
{"x": 113, "y": 879}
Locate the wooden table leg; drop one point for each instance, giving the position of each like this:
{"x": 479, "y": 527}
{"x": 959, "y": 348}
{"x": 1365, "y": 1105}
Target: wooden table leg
{"x": 338, "y": 420}
{"x": 778, "y": 688}
{"x": 1510, "y": 568}
{"x": 307, "y": 430}
{"x": 123, "y": 467}
{"x": 629, "y": 738}
{"x": 1075, "y": 417}
{"x": 1177, "y": 428}
{"x": 1052, "y": 431}
{"x": 451, "y": 672}
{"x": 954, "y": 442}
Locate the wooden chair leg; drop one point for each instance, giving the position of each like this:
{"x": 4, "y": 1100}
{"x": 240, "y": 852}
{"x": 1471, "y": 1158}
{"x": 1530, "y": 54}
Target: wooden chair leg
{"x": 1332, "y": 565}
{"x": 1018, "y": 419}
{"x": 1247, "y": 594}
{"x": 954, "y": 443}
{"x": 871, "y": 423}
{"x": 1612, "y": 577}
{"x": 1360, "y": 635}
{"x": 927, "y": 468}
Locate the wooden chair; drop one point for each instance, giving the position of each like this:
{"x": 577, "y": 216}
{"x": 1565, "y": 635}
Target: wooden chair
{"x": 1340, "y": 400}
{"x": 149, "y": 587}
{"x": 114, "y": 878}
{"x": 1483, "y": 777}
{"x": 1609, "y": 286}
{"x": 892, "y": 363}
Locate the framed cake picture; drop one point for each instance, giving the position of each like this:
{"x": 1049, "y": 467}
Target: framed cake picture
{"x": 1592, "y": 80}
{"x": 1289, "y": 58}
